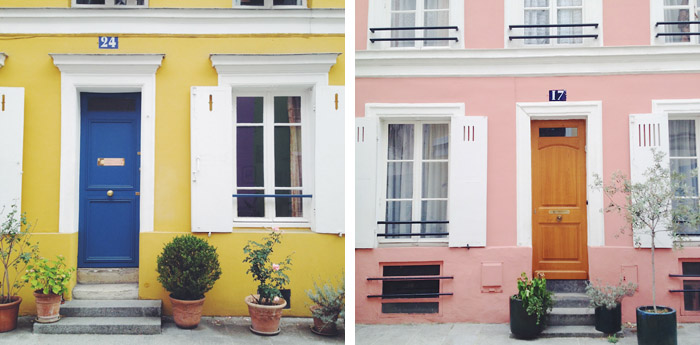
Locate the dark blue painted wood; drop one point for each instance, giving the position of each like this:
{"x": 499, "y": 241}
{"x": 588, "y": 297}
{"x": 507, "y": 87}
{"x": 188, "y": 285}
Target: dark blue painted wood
{"x": 109, "y": 226}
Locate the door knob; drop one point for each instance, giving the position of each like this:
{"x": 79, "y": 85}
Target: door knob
{"x": 559, "y": 218}
{"x": 110, "y": 192}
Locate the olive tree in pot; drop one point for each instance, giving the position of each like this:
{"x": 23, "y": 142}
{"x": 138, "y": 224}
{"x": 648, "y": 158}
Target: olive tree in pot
{"x": 265, "y": 307}
{"x": 329, "y": 305}
{"x": 653, "y": 207}
{"x": 188, "y": 267}
{"x": 49, "y": 280}
{"x": 529, "y": 307}
{"x": 16, "y": 251}
{"x": 607, "y": 301}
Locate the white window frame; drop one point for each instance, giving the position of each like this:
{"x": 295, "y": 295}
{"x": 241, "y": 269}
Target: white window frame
{"x": 110, "y": 4}
{"x": 268, "y": 125}
{"x": 515, "y": 15}
{"x": 657, "y": 15}
{"x": 417, "y": 183}
{"x": 269, "y": 4}
{"x": 380, "y": 17}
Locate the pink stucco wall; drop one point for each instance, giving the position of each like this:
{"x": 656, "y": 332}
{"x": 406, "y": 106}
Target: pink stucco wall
{"x": 496, "y": 98}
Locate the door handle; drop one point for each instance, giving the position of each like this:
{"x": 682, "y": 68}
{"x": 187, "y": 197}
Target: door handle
{"x": 110, "y": 192}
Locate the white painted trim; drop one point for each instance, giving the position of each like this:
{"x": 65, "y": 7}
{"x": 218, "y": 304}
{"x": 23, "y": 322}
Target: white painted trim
{"x": 172, "y": 21}
{"x": 273, "y": 64}
{"x": 104, "y": 73}
{"x": 528, "y": 62}
{"x": 672, "y": 107}
{"x": 3, "y": 56}
{"x": 592, "y": 112}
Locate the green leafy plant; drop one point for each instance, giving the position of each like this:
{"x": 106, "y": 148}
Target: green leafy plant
{"x": 613, "y": 339}
{"x": 16, "y": 251}
{"x": 609, "y": 296}
{"x": 329, "y": 300}
{"x": 48, "y": 276}
{"x": 535, "y": 296}
{"x": 271, "y": 277}
{"x": 188, "y": 267}
{"x": 651, "y": 207}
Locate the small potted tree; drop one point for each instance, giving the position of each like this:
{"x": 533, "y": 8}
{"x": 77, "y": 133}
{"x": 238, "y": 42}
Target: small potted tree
{"x": 265, "y": 307}
{"x": 16, "y": 251}
{"x": 651, "y": 208}
{"x": 529, "y": 307}
{"x": 329, "y": 305}
{"x": 49, "y": 280}
{"x": 607, "y": 301}
{"x": 188, "y": 267}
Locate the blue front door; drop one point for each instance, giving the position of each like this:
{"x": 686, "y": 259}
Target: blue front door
{"x": 110, "y": 142}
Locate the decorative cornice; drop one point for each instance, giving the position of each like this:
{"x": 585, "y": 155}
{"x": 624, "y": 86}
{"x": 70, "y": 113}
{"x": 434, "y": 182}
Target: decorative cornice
{"x": 3, "y": 56}
{"x": 171, "y": 21}
{"x": 527, "y": 62}
{"x": 108, "y": 63}
{"x": 272, "y": 64}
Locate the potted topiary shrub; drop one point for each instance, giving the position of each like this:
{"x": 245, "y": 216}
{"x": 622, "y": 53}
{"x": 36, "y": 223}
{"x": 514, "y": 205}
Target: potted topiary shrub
{"x": 265, "y": 307}
{"x": 188, "y": 267}
{"x": 651, "y": 208}
{"x": 49, "y": 280}
{"x": 16, "y": 251}
{"x": 329, "y": 305}
{"x": 607, "y": 301}
{"x": 529, "y": 307}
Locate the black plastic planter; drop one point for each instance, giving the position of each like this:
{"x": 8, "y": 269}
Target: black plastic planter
{"x": 524, "y": 326}
{"x": 656, "y": 329}
{"x": 608, "y": 321}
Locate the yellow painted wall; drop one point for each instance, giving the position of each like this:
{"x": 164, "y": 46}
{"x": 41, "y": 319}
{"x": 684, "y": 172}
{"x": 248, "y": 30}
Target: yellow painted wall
{"x": 165, "y": 3}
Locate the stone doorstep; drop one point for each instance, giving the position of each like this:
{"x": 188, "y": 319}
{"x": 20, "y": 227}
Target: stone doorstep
{"x": 571, "y": 300}
{"x": 106, "y": 291}
{"x": 108, "y": 275}
{"x": 101, "y": 325}
{"x": 112, "y": 308}
{"x": 571, "y": 317}
{"x": 574, "y": 332}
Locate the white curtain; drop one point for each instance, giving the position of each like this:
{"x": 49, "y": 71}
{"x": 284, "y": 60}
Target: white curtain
{"x": 403, "y": 14}
{"x": 570, "y": 16}
{"x": 434, "y": 176}
{"x": 536, "y": 13}
{"x": 399, "y": 177}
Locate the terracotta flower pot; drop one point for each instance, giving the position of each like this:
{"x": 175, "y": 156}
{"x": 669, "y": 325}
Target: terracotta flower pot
{"x": 265, "y": 318}
{"x": 323, "y": 328}
{"x": 187, "y": 314}
{"x": 47, "y": 307}
{"x": 8, "y": 314}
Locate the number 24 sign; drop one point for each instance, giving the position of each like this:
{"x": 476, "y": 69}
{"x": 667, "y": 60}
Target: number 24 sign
{"x": 108, "y": 42}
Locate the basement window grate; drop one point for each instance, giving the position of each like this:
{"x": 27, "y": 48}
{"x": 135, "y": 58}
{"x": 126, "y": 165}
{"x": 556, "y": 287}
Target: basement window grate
{"x": 409, "y": 289}
{"x": 691, "y": 300}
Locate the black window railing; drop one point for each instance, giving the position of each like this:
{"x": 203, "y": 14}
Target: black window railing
{"x": 387, "y": 222}
{"x": 671, "y": 34}
{"x": 412, "y": 295}
{"x": 537, "y": 26}
{"x": 414, "y": 28}
{"x": 271, "y": 195}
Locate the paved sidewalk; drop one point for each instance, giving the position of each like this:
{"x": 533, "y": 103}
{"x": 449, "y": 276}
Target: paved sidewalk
{"x": 488, "y": 334}
{"x": 212, "y": 330}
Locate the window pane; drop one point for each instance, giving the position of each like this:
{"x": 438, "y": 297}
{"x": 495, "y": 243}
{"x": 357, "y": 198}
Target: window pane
{"x": 691, "y": 268}
{"x": 90, "y": 2}
{"x": 398, "y": 211}
{"x": 677, "y": 15}
{"x": 288, "y": 156}
{"x": 399, "y": 183}
{"x": 436, "y": 18}
{"x": 691, "y": 300}
{"x": 691, "y": 204}
{"x": 403, "y": 20}
{"x": 437, "y": 4}
{"x": 411, "y": 270}
{"x": 536, "y": 17}
{"x": 410, "y": 287}
{"x": 249, "y": 109}
{"x": 252, "y": 2}
{"x": 288, "y": 207}
{"x": 400, "y": 142}
{"x": 250, "y": 206}
{"x": 249, "y": 157}
{"x": 286, "y": 2}
{"x": 558, "y": 132}
{"x": 287, "y": 109}
{"x": 675, "y": 2}
{"x": 111, "y": 104}
{"x": 536, "y": 3}
{"x": 569, "y": 2}
{"x": 403, "y": 5}
{"x": 434, "y": 180}
{"x": 682, "y": 138}
{"x": 433, "y": 210}
{"x": 685, "y": 168}
{"x": 436, "y": 141}
{"x": 569, "y": 16}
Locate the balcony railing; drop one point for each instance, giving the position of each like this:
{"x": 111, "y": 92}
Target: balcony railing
{"x": 386, "y": 222}
{"x": 670, "y": 34}
{"x": 414, "y": 28}
{"x": 537, "y": 26}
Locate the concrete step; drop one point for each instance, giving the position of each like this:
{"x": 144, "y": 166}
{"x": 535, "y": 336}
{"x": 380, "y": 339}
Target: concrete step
{"x": 571, "y": 300}
{"x": 101, "y": 325}
{"x": 559, "y": 285}
{"x": 106, "y": 291}
{"x": 571, "y": 317}
{"x": 111, "y": 308}
{"x": 574, "y": 332}
{"x": 108, "y": 275}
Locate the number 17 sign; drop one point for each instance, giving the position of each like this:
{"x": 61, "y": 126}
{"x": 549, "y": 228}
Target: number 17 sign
{"x": 557, "y": 95}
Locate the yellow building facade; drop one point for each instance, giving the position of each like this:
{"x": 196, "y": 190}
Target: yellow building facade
{"x": 168, "y": 53}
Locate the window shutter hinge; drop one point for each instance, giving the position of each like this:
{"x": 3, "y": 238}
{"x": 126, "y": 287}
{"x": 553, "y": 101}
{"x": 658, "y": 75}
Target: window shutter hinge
{"x": 3, "y": 103}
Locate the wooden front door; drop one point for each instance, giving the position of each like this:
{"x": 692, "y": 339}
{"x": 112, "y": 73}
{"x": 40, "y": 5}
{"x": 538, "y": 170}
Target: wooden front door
{"x": 559, "y": 230}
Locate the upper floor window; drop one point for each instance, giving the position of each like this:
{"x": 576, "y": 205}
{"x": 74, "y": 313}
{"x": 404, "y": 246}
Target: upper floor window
{"x": 679, "y": 22}
{"x": 554, "y": 22}
{"x": 268, "y": 3}
{"x": 110, "y": 3}
{"x": 415, "y": 23}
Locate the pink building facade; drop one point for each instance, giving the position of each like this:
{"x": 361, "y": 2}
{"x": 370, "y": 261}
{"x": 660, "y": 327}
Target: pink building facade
{"x": 464, "y": 132}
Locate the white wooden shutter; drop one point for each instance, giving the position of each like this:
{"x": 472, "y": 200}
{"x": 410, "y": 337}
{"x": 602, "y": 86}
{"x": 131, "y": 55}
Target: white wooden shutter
{"x": 11, "y": 140}
{"x": 467, "y": 181}
{"x": 648, "y": 132}
{"x": 366, "y": 198}
{"x": 211, "y": 150}
{"x": 329, "y": 170}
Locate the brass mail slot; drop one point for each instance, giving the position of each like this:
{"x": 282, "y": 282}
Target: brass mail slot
{"x": 559, "y": 211}
{"x": 110, "y": 162}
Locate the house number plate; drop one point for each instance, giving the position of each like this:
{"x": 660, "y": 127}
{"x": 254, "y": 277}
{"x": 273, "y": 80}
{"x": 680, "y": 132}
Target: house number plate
{"x": 559, "y": 211}
{"x": 110, "y": 162}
